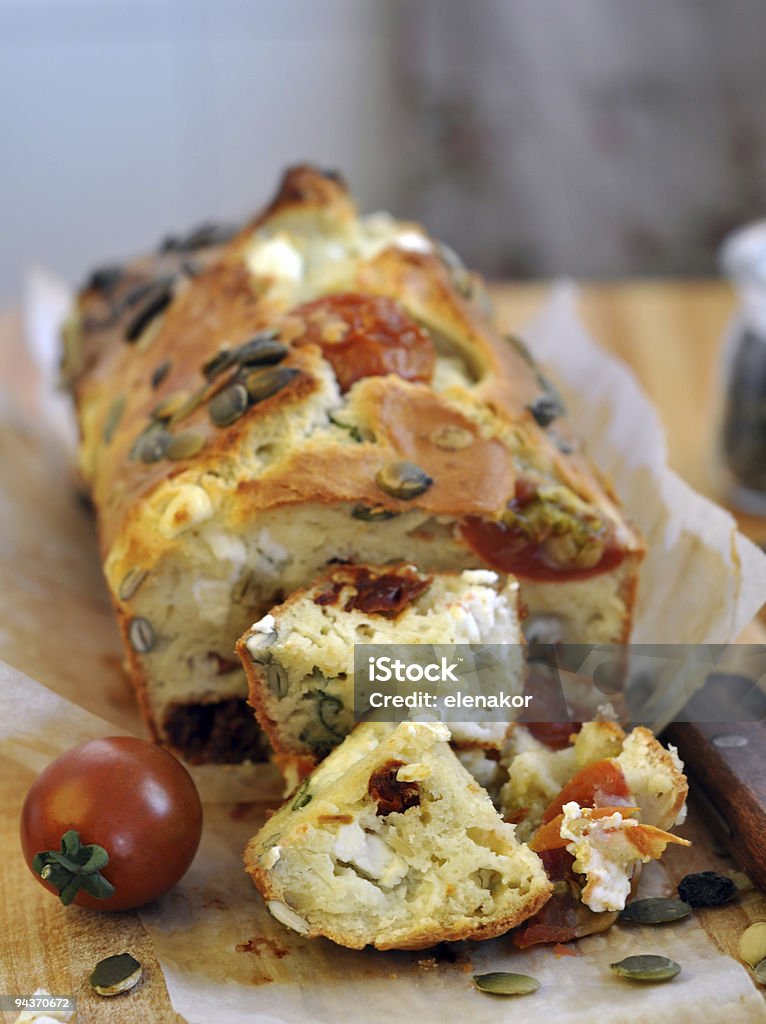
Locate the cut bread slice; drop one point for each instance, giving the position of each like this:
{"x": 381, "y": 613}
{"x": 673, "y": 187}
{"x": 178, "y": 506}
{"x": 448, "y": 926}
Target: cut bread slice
{"x": 391, "y": 843}
{"x": 299, "y": 658}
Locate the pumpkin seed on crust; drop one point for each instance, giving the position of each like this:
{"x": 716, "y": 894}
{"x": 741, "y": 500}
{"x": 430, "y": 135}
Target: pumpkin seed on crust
{"x": 262, "y": 384}
{"x": 186, "y": 444}
{"x": 113, "y": 417}
{"x": 228, "y": 405}
{"x": 403, "y": 480}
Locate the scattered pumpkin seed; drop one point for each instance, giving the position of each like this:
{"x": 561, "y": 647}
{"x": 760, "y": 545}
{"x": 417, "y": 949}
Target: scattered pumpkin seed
{"x": 277, "y": 679}
{"x": 170, "y": 404}
{"x": 141, "y": 635}
{"x": 262, "y": 384}
{"x": 228, "y": 405}
{"x": 403, "y": 480}
{"x": 504, "y": 983}
{"x": 159, "y": 298}
{"x": 152, "y": 445}
{"x": 160, "y": 373}
{"x": 706, "y": 889}
{"x": 374, "y": 514}
{"x": 262, "y": 349}
{"x": 646, "y": 968}
{"x": 752, "y": 943}
{"x": 130, "y": 583}
{"x": 115, "y": 974}
{"x": 759, "y": 972}
{"x": 186, "y": 444}
{"x": 656, "y": 910}
{"x": 218, "y": 363}
{"x": 113, "y": 417}
{"x": 452, "y": 438}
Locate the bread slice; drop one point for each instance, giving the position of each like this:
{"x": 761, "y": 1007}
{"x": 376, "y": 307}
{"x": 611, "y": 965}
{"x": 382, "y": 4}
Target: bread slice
{"x": 299, "y": 658}
{"x": 324, "y": 386}
{"x": 391, "y": 843}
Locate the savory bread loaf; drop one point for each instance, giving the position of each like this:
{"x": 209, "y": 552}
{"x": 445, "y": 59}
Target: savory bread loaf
{"x": 299, "y": 658}
{"x": 320, "y": 387}
{"x": 391, "y": 843}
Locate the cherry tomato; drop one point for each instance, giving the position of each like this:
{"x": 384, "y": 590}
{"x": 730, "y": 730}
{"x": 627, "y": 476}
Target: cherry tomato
{"x": 112, "y": 824}
{"x": 366, "y": 336}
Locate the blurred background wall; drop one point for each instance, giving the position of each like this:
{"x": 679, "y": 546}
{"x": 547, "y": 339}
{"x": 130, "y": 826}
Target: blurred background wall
{"x": 598, "y": 138}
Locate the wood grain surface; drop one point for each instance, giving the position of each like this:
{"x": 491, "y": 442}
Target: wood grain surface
{"x": 670, "y": 334}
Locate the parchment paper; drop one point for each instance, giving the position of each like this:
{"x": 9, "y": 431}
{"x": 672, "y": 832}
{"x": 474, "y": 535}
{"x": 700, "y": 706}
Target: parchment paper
{"x": 223, "y": 956}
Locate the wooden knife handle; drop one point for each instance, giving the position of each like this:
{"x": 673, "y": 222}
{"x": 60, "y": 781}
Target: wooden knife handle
{"x": 727, "y": 762}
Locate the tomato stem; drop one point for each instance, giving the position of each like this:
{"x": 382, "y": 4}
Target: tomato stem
{"x": 76, "y": 866}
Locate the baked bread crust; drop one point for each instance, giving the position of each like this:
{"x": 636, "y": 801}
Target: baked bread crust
{"x": 171, "y": 460}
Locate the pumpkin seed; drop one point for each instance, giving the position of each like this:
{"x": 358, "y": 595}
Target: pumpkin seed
{"x": 159, "y": 299}
{"x": 656, "y": 910}
{"x": 403, "y": 480}
{"x": 152, "y": 445}
{"x": 759, "y": 972}
{"x": 115, "y": 974}
{"x": 752, "y": 943}
{"x": 193, "y": 402}
{"x": 706, "y": 889}
{"x": 113, "y": 417}
{"x": 263, "y": 348}
{"x": 186, "y": 444}
{"x": 218, "y": 363}
{"x": 277, "y": 679}
{"x": 130, "y": 583}
{"x": 160, "y": 373}
{"x": 104, "y": 279}
{"x": 504, "y": 983}
{"x": 169, "y": 406}
{"x": 302, "y": 796}
{"x": 201, "y": 237}
{"x": 452, "y": 438}
{"x": 228, "y": 405}
{"x": 262, "y": 384}
{"x": 646, "y": 968}
{"x": 545, "y": 409}
{"x": 141, "y": 635}
{"x": 353, "y": 430}
{"x": 374, "y": 514}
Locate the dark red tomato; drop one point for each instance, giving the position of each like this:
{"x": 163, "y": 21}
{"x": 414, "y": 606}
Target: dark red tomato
{"x": 554, "y": 735}
{"x": 366, "y": 336}
{"x": 601, "y": 784}
{"x": 508, "y": 549}
{"x": 111, "y": 824}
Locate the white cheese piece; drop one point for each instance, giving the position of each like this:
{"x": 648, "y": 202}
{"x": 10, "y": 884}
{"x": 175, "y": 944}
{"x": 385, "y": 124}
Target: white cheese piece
{"x": 369, "y": 854}
{"x": 275, "y": 257}
{"x": 601, "y": 855}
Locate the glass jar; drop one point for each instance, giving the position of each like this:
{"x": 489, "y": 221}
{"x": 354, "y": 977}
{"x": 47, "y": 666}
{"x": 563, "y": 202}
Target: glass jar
{"x": 743, "y": 428}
